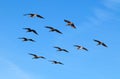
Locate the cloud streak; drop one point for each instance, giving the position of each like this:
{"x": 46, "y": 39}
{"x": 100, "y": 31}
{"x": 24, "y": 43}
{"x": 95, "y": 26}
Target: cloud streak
{"x": 12, "y": 71}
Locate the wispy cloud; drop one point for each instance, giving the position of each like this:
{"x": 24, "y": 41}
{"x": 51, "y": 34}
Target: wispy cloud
{"x": 10, "y": 70}
{"x": 112, "y": 4}
{"x": 101, "y": 15}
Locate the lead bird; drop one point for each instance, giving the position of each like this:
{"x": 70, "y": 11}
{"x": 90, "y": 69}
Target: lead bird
{"x": 53, "y": 29}
{"x": 31, "y": 30}
{"x": 100, "y": 43}
{"x": 26, "y": 39}
{"x": 61, "y": 49}
{"x": 69, "y": 23}
{"x": 36, "y": 56}
{"x": 56, "y": 62}
{"x": 81, "y": 47}
{"x": 32, "y": 15}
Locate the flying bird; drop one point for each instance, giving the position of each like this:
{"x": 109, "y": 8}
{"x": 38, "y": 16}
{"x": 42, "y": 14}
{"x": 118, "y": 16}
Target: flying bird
{"x": 81, "y": 47}
{"x": 100, "y": 43}
{"x": 69, "y": 23}
{"x": 34, "y": 15}
{"x": 56, "y": 62}
{"x": 60, "y": 49}
{"x": 31, "y": 30}
{"x": 36, "y": 56}
{"x": 27, "y": 39}
{"x": 53, "y": 29}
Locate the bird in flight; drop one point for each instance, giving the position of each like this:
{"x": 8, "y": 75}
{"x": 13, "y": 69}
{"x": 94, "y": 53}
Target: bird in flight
{"x": 69, "y": 23}
{"x": 36, "y": 56}
{"x": 27, "y": 39}
{"x": 100, "y": 43}
{"x": 60, "y": 49}
{"x": 34, "y": 15}
{"x": 31, "y": 30}
{"x": 53, "y": 29}
{"x": 56, "y": 62}
{"x": 81, "y": 47}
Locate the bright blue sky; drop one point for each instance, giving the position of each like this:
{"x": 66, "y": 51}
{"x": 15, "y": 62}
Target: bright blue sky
{"x": 94, "y": 19}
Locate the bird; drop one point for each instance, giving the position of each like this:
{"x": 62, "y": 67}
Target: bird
{"x": 53, "y": 29}
{"x": 26, "y": 39}
{"x": 31, "y": 30}
{"x": 69, "y": 23}
{"x": 100, "y": 43}
{"x": 34, "y": 15}
{"x": 60, "y": 49}
{"x": 36, "y": 56}
{"x": 56, "y": 62}
{"x": 81, "y": 47}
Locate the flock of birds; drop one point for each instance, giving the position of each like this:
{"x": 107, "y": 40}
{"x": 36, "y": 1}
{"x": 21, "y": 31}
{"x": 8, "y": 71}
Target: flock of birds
{"x": 52, "y": 29}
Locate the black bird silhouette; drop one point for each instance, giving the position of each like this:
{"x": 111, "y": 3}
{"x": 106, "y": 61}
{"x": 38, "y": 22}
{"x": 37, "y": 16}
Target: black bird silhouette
{"x": 36, "y": 56}
{"x": 100, "y": 43}
{"x": 56, "y": 62}
{"x": 81, "y": 47}
{"x": 31, "y": 30}
{"x": 60, "y": 49}
{"x": 34, "y": 15}
{"x": 69, "y": 23}
{"x": 53, "y": 29}
{"x": 27, "y": 39}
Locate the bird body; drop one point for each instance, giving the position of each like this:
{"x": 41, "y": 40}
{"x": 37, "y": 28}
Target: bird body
{"x": 100, "y": 43}
{"x": 36, "y": 56}
{"x": 69, "y": 23}
{"x": 61, "y": 49}
{"x": 27, "y": 39}
{"x": 31, "y": 30}
{"x": 53, "y": 29}
{"x": 56, "y": 62}
{"x": 32, "y": 15}
{"x": 81, "y": 47}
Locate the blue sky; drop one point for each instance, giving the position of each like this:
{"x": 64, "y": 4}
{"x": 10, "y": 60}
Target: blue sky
{"x": 94, "y": 20}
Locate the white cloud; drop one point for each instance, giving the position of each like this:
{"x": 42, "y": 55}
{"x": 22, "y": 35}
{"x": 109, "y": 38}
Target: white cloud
{"x": 112, "y": 4}
{"x": 10, "y": 70}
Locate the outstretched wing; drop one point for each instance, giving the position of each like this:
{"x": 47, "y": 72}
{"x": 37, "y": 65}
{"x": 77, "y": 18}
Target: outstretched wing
{"x": 57, "y": 47}
{"x": 34, "y": 32}
{"x": 65, "y": 50}
{"x": 97, "y": 41}
{"x": 72, "y": 25}
{"x": 76, "y": 45}
{"x": 31, "y": 40}
{"x": 33, "y": 55}
{"x": 39, "y": 16}
{"x": 85, "y": 48}
{"x": 104, "y": 45}
{"x": 49, "y": 27}
{"x": 67, "y": 21}
{"x": 58, "y": 31}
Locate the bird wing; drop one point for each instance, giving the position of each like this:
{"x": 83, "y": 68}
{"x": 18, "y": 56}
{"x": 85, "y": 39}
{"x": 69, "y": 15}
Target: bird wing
{"x": 65, "y": 50}
{"x": 85, "y": 48}
{"x": 28, "y": 14}
{"x": 27, "y": 28}
{"x": 76, "y": 45}
{"x": 34, "y": 32}
{"x": 31, "y": 40}
{"x": 72, "y": 25}
{"x": 58, "y": 31}
{"x": 40, "y": 16}
{"x": 67, "y": 21}
{"x": 33, "y": 55}
{"x": 49, "y": 27}
{"x": 57, "y": 47}
{"x": 104, "y": 45}
{"x": 42, "y": 57}
{"x": 97, "y": 41}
